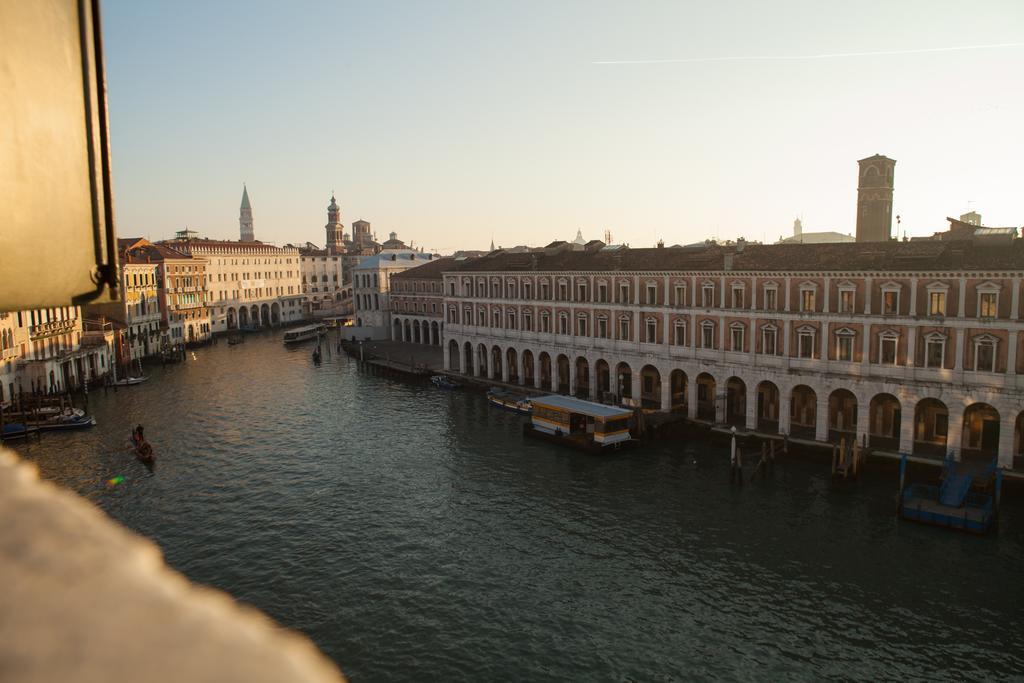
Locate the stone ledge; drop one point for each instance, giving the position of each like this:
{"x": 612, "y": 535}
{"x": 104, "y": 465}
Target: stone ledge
{"x": 84, "y": 599}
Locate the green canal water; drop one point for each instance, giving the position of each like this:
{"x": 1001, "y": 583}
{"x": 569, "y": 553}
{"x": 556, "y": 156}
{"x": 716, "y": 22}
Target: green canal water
{"x": 413, "y": 533}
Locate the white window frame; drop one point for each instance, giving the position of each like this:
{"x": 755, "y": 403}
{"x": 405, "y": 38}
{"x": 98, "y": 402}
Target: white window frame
{"x": 986, "y": 340}
{"x": 812, "y": 289}
{"x": 846, "y": 288}
{"x": 649, "y": 289}
{"x": 706, "y": 327}
{"x": 845, "y": 334}
{"x": 563, "y": 324}
{"x": 938, "y": 288}
{"x": 602, "y": 291}
{"x": 679, "y": 333}
{"x": 651, "y": 330}
{"x": 735, "y": 328}
{"x": 891, "y": 288}
{"x": 806, "y": 332}
{"x": 581, "y": 325}
{"x": 707, "y": 301}
{"x": 772, "y": 332}
{"x": 679, "y": 289}
{"x": 988, "y": 288}
{"x": 742, "y": 289}
{"x": 624, "y": 292}
{"x": 773, "y": 288}
{"x": 602, "y": 326}
{"x": 883, "y": 338}
{"x": 934, "y": 338}
{"x": 624, "y": 321}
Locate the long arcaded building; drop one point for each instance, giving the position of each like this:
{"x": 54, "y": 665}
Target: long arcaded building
{"x": 916, "y": 345}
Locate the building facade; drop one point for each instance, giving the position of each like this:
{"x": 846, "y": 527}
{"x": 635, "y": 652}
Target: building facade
{"x": 47, "y": 351}
{"x": 250, "y": 284}
{"x": 913, "y": 346}
{"x": 371, "y": 288}
{"x": 417, "y": 303}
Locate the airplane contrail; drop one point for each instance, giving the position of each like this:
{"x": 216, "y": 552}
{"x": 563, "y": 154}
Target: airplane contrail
{"x": 780, "y": 58}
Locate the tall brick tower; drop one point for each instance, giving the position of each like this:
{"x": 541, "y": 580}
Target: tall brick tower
{"x": 245, "y": 218}
{"x": 335, "y": 230}
{"x": 874, "y": 199}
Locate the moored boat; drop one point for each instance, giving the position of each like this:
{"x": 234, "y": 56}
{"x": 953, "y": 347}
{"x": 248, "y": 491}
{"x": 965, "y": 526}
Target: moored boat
{"x": 71, "y": 418}
{"x": 509, "y": 401}
{"x": 442, "y": 382}
{"x": 17, "y": 430}
{"x": 303, "y": 333}
{"x": 131, "y": 381}
{"x": 966, "y": 499}
{"x": 580, "y": 424}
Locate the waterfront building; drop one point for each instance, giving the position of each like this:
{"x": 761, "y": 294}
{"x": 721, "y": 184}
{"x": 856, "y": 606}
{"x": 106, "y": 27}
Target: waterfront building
{"x": 136, "y": 318}
{"x": 323, "y": 279}
{"x": 912, "y": 346}
{"x": 371, "y": 289}
{"x": 417, "y": 302}
{"x": 361, "y": 245}
{"x": 250, "y": 284}
{"x": 47, "y": 351}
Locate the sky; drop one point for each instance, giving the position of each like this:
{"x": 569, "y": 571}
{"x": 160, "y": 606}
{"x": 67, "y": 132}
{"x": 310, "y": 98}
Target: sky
{"x": 455, "y": 123}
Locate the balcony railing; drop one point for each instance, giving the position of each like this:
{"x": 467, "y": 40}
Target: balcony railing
{"x": 51, "y": 329}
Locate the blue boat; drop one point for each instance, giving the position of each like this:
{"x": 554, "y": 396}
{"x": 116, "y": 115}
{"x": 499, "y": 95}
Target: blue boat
{"x": 17, "y": 430}
{"x": 966, "y": 499}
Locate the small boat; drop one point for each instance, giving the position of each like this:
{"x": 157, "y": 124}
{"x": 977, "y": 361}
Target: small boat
{"x": 304, "y": 333}
{"x": 966, "y": 499}
{"x": 17, "y": 430}
{"x": 131, "y": 381}
{"x": 509, "y": 401}
{"x": 236, "y": 339}
{"x": 442, "y": 382}
{"x": 71, "y": 418}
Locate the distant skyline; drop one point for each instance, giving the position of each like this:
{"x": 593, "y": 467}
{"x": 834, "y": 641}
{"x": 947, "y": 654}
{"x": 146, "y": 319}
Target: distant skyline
{"x": 452, "y": 123}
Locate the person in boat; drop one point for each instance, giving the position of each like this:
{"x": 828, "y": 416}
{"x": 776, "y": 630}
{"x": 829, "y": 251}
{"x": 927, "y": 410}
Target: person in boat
{"x": 142, "y": 447}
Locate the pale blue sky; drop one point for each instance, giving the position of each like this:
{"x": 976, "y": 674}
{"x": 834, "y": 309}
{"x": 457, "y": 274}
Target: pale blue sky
{"x": 452, "y": 121}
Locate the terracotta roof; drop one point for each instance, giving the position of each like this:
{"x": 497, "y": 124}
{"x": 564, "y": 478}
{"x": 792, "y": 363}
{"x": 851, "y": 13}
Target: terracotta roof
{"x": 853, "y": 256}
{"x": 429, "y": 270}
{"x": 153, "y": 253}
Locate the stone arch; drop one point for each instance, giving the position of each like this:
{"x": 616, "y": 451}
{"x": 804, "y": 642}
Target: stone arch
{"x": 435, "y": 333}
{"x": 562, "y": 373}
{"x": 706, "y": 396}
{"x": 980, "y": 431}
{"x": 467, "y": 359}
{"x": 582, "y": 377}
{"x": 275, "y": 314}
{"x": 768, "y": 401}
{"x": 481, "y": 361}
{"x": 884, "y": 417}
{"x": 842, "y": 415}
{"x": 736, "y": 402}
{"x": 264, "y": 315}
{"x": 415, "y": 332}
{"x": 603, "y": 377}
{"x": 454, "y": 361}
{"x": 407, "y": 327}
{"x": 512, "y": 363}
{"x": 678, "y": 382}
{"x": 528, "y": 368}
{"x": 650, "y": 388}
{"x": 624, "y": 380}
{"x": 396, "y": 329}
{"x": 496, "y": 362}
{"x": 545, "y": 370}
{"x": 232, "y": 319}
{"x": 191, "y": 332}
{"x": 254, "y": 316}
{"x": 803, "y": 412}
{"x": 1018, "y": 437}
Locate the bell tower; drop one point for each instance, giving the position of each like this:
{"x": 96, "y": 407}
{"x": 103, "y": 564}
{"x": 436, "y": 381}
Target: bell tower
{"x": 245, "y": 218}
{"x": 874, "y": 199}
{"x": 335, "y": 230}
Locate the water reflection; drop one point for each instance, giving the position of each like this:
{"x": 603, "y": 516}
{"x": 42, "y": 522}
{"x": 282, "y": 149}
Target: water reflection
{"x": 407, "y": 529}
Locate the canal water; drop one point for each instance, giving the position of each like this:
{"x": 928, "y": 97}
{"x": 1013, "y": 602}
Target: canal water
{"x": 414, "y": 533}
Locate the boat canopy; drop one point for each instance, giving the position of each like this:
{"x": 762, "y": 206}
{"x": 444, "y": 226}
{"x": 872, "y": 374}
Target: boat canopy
{"x": 568, "y": 404}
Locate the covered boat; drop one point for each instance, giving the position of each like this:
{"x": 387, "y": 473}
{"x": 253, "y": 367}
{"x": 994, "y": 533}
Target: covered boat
{"x": 442, "y": 382}
{"x": 303, "y": 333}
{"x": 579, "y": 423}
